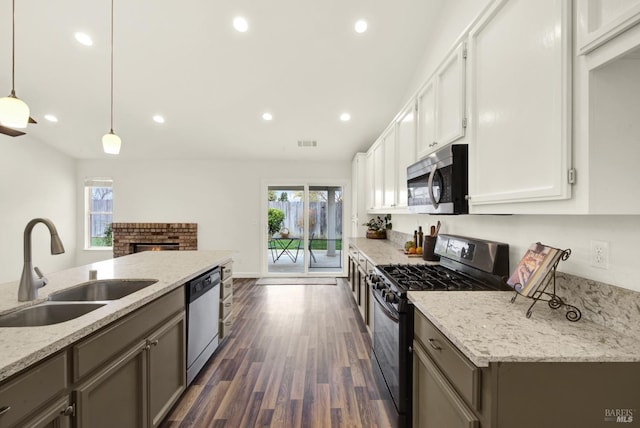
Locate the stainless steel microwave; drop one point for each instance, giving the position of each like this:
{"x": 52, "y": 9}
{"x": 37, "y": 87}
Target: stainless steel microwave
{"x": 439, "y": 183}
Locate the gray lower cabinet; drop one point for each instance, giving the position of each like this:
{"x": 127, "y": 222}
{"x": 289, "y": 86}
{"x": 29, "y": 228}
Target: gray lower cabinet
{"x": 117, "y": 396}
{"x": 450, "y": 391}
{"x": 127, "y": 375}
{"x": 139, "y": 388}
{"x": 226, "y": 302}
{"x": 167, "y": 362}
{"x": 436, "y": 403}
{"x": 37, "y": 397}
{"x": 134, "y": 371}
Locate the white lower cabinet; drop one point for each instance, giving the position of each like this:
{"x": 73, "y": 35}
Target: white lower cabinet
{"x": 519, "y": 56}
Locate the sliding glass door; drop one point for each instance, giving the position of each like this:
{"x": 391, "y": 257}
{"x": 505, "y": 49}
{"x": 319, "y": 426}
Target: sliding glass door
{"x": 304, "y": 230}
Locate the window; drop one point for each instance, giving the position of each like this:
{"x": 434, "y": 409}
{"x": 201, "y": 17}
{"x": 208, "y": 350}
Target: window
{"x": 98, "y": 201}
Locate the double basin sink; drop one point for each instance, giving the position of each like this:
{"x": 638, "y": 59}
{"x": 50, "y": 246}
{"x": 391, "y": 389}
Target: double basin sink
{"x": 74, "y": 302}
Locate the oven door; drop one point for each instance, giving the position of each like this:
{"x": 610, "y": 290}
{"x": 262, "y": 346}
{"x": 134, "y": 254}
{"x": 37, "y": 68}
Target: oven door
{"x": 386, "y": 345}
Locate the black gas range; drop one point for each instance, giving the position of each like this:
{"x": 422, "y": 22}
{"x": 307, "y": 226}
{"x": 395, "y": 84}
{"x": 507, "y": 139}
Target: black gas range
{"x": 466, "y": 264}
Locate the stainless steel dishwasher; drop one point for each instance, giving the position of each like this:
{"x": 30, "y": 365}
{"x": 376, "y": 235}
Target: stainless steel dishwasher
{"x": 203, "y": 300}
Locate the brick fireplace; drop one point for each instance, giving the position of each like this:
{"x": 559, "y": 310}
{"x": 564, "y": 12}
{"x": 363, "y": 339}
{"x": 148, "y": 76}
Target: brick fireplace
{"x": 134, "y": 237}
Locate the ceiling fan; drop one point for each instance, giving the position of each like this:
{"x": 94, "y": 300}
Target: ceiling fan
{"x": 14, "y": 132}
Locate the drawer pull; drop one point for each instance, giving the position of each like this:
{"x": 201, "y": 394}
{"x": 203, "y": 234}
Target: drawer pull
{"x": 227, "y": 305}
{"x": 432, "y": 342}
{"x": 154, "y": 342}
{"x": 4, "y": 410}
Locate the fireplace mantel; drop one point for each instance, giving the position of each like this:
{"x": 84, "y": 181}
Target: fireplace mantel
{"x": 126, "y": 235}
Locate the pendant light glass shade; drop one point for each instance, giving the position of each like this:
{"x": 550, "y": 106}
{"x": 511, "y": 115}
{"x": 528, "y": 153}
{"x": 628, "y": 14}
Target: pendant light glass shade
{"x": 111, "y": 143}
{"x": 14, "y": 113}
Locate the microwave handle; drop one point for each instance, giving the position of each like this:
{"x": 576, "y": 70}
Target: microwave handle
{"x": 430, "y": 187}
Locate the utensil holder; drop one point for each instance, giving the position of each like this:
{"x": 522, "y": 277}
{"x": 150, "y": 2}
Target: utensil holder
{"x": 428, "y": 247}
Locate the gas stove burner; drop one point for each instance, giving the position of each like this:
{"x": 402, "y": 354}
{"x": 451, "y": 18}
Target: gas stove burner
{"x": 428, "y": 277}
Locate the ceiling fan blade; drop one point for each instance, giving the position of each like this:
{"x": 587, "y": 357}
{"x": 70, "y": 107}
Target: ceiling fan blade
{"x": 32, "y": 120}
{"x": 10, "y": 131}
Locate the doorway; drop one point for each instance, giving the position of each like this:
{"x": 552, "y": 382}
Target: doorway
{"x": 304, "y": 230}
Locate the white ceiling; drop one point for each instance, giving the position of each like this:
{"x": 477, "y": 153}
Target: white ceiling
{"x": 301, "y": 60}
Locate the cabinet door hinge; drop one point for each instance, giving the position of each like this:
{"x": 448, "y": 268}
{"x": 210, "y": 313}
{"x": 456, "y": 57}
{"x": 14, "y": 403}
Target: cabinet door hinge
{"x": 464, "y": 122}
{"x": 571, "y": 176}
{"x": 464, "y": 51}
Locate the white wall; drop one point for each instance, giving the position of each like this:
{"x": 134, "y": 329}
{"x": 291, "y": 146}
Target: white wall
{"x": 223, "y": 197}
{"x": 35, "y": 181}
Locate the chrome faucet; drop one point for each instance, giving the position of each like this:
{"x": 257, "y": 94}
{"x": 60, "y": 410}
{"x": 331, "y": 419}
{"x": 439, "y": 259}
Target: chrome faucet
{"x": 30, "y": 281}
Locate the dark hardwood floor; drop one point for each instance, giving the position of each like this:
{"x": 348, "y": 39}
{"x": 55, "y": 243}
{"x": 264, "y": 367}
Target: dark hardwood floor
{"x": 298, "y": 356}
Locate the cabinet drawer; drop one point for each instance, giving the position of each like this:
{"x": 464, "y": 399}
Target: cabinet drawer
{"x": 225, "y": 326}
{"x": 33, "y": 388}
{"x": 462, "y": 373}
{"x": 227, "y": 288}
{"x": 226, "y": 306}
{"x": 93, "y": 352}
{"x": 226, "y": 270}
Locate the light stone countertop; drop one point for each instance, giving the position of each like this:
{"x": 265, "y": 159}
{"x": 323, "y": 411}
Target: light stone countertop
{"x": 384, "y": 252}
{"x": 487, "y": 328}
{"x": 24, "y": 346}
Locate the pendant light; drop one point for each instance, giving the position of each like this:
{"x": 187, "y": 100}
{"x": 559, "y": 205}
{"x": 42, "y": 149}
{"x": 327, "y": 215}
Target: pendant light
{"x": 14, "y": 113}
{"x": 111, "y": 142}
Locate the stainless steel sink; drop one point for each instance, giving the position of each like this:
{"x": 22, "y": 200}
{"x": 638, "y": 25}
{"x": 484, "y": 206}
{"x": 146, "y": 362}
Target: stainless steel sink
{"x": 47, "y": 313}
{"x": 102, "y": 289}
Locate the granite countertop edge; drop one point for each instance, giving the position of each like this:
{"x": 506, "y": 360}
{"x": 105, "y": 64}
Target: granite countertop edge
{"x": 25, "y": 346}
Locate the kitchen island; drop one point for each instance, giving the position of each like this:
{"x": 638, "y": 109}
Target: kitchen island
{"x": 129, "y": 353}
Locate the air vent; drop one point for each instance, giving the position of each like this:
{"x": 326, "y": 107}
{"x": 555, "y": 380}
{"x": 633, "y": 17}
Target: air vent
{"x": 307, "y": 143}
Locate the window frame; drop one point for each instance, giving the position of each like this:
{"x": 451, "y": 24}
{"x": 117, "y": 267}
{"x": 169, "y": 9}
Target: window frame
{"x": 89, "y": 185}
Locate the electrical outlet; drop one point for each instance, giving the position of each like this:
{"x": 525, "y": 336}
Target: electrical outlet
{"x": 600, "y": 254}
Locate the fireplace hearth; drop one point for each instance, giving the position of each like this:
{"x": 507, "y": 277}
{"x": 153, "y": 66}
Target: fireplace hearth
{"x": 129, "y": 238}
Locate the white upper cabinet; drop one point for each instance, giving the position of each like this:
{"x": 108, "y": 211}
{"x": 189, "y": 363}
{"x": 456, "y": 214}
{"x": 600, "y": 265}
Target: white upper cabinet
{"x": 601, "y": 20}
{"x": 450, "y": 99}
{"x": 441, "y": 105}
{"x": 378, "y": 174}
{"x": 369, "y": 181}
{"x": 426, "y": 119}
{"x": 520, "y": 104}
{"x": 390, "y": 166}
{"x": 406, "y": 152}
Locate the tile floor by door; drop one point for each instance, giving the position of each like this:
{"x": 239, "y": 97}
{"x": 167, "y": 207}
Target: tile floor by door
{"x": 298, "y": 356}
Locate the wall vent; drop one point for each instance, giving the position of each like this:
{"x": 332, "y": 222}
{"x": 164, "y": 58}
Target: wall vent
{"x": 307, "y": 143}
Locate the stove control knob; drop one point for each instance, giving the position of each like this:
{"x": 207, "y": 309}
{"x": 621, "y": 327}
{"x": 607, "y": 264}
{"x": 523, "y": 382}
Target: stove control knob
{"x": 390, "y": 297}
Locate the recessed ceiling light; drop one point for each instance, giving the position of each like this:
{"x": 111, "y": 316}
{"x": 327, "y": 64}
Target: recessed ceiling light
{"x": 158, "y": 119}
{"x": 240, "y": 24}
{"x": 83, "y": 38}
{"x": 50, "y": 118}
{"x": 345, "y": 117}
{"x": 361, "y": 26}
{"x": 267, "y": 116}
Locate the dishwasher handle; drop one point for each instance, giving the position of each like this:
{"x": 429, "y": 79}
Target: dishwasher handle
{"x": 201, "y": 285}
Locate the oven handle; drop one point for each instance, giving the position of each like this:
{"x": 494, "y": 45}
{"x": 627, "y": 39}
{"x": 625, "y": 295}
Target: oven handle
{"x": 383, "y": 305}
{"x": 430, "y": 187}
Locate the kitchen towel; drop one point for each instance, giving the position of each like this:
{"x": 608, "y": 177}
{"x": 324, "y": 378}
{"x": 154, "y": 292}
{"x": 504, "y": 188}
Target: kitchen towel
{"x": 296, "y": 281}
